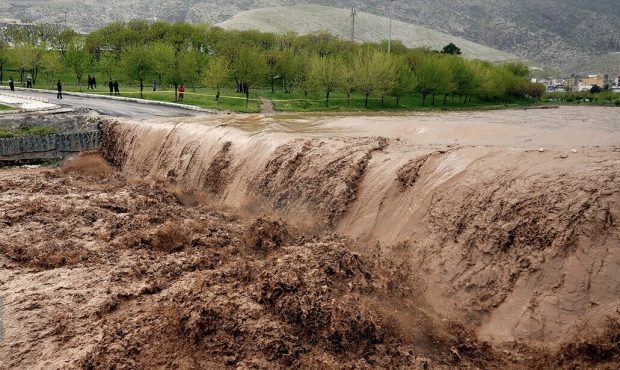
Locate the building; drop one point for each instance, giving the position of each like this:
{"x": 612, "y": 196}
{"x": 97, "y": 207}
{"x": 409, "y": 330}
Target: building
{"x": 571, "y": 84}
{"x": 591, "y": 80}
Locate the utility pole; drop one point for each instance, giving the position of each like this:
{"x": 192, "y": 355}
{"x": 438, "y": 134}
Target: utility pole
{"x": 353, "y": 14}
{"x": 390, "y": 35}
{"x": 65, "y": 20}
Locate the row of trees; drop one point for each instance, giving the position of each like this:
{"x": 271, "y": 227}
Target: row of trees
{"x": 176, "y": 53}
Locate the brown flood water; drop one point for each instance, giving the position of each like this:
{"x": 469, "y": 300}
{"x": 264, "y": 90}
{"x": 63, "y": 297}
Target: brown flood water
{"x": 453, "y": 240}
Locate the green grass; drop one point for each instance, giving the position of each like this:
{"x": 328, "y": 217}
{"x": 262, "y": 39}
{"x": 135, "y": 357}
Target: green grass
{"x": 27, "y": 131}
{"x": 6, "y": 107}
{"x": 202, "y": 97}
{"x": 604, "y": 98}
{"x": 409, "y": 102}
{"x": 233, "y": 101}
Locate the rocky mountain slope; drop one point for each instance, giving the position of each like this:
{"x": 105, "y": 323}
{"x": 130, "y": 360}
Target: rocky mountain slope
{"x": 555, "y": 32}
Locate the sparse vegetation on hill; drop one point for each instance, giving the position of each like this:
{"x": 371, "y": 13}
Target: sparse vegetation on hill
{"x": 368, "y": 28}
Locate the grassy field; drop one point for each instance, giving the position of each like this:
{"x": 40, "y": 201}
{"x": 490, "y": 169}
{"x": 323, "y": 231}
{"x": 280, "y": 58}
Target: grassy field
{"x": 339, "y": 102}
{"x": 202, "y": 97}
{"x": 295, "y": 102}
{"x": 5, "y": 107}
{"x": 30, "y": 131}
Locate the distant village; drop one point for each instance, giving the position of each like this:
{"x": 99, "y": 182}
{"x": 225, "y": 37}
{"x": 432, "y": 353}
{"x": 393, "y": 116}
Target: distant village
{"x": 577, "y": 84}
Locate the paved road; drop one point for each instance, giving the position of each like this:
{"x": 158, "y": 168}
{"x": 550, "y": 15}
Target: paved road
{"x": 109, "y": 107}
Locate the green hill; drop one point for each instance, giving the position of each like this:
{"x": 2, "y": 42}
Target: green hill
{"x": 305, "y": 19}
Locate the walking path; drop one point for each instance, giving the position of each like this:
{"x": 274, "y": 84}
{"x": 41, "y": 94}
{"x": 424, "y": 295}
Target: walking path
{"x": 26, "y": 103}
{"x": 266, "y": 106}
{"x": 106, "y": 105}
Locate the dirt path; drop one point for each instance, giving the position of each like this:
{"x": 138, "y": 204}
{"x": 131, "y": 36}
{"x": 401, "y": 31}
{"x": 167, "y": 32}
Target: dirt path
{"x": 266, "y": 106}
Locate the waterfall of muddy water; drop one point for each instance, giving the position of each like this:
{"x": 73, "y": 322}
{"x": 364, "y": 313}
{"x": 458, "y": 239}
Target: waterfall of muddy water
{"x": 512, "y": 215}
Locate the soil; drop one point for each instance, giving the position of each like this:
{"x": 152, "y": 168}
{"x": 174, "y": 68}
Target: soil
{"x": 266, "y": 106}
{"x": 199, "y": 245}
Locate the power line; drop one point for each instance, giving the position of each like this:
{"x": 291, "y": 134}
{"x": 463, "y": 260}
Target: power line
{"x": 390, "y": 35}
{"x": 353, "y": 14}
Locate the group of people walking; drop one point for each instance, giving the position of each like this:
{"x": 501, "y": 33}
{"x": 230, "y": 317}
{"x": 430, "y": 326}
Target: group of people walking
{"x": 113, "y": 86}
{"x": 28, "y": 82}
{"x": 92, "y": 84}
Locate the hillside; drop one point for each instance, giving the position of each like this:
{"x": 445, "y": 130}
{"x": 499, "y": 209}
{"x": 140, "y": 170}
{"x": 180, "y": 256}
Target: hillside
{"x": 600, "y": 64}
{"x": 368, "y": 28}
{"x": 558, "y": 33}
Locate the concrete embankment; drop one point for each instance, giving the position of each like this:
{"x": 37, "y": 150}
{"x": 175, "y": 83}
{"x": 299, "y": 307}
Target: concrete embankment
{"x": 56, "y": 146}
{"x": 67, "y": 134}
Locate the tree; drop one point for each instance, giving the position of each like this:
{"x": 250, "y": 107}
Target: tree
{"x": 300, "y": 67}
{"x": 405, "y": 80}
{"x": 518, "y": 69}
{"x": 273, "y": 65}
{"x": 449, "y": 66}
{"x": 163, "y": 56}
{"x": 192, "y": 63}
{"x": 365, "y": 78}
{"x": 108, "y": 64}
{"x": 64, "y": 39}
{"x": 290, "y": 67}
{"x": 137, "y": 62}
{"x": 432, "y": 76}
{"x": 27, "y": 57}
{"x": 451, "y": 49}
{"x": 347, "y": 82}
{"x": 536, "y": 90}
{"x": 175, "y": 74}
{"x": 374, "y": 72}
{"x": 4, "y": 58}
{"x": 385, "y": 73}
{"x": 465, "y": 78}
{"x": 216, "y": 74}
{"x": 51, "y": 64}
{"x": 326, "y": 74}
{"x": 76, "y": 58}
{"x": 248, "y": 69}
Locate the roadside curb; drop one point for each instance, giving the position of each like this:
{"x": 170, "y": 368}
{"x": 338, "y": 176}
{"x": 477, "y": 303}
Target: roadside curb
{"x": 117, "y": 98}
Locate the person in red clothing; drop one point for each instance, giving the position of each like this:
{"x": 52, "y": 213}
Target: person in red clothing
{"x": 181, "y": 92}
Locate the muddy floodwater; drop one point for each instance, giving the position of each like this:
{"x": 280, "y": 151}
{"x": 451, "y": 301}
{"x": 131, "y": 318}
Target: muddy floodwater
{"x": 419, "y": 241}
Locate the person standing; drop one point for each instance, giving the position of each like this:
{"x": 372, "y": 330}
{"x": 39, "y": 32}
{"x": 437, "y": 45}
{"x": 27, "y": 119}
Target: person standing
{"x": 116, "y": 91}
{"x": 154, "y": 83}
{"x": 90, "y": 82}
{"x": 111, "y": 85}
{"x": 11, "y": 83}
{"x": 94, "y": 83}
{"x": 29, "y": 81}
{"x": 59, "y": 87}
{"x": 181, "y": 92}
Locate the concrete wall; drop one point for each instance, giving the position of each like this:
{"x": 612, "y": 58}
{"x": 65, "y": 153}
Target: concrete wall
{"x": 47, "y": 146}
